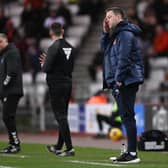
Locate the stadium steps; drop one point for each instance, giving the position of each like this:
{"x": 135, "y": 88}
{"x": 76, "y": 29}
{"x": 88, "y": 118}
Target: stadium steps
{"x": 81, "y": 78}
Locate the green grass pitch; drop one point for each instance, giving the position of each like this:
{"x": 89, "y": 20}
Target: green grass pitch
{"x": 36, "y": 156}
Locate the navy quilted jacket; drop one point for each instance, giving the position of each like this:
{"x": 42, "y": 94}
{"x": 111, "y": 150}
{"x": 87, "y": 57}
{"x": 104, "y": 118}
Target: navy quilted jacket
{"x": 123, "y": 60}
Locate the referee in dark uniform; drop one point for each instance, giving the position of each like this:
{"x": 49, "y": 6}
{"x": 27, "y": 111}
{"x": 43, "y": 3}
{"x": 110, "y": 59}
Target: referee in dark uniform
{"x": 57, "y": 63}
{"x": 11, "y": 90}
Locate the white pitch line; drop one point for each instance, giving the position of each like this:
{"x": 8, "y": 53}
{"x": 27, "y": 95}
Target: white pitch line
{"x": 6, "y": 167}
{"x": 16, "y": 156}
{"x": 94, "y": 163}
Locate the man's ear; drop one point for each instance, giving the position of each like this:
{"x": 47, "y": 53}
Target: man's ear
{"x": 62, "y": 31}
{"x": 119, "y": 17}
{"x": 50, "y": 32}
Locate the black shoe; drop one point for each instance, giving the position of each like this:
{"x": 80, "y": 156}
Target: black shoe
{"x": 67, "y": 153}
{"x": 11, "y": 149}
{"x": 52, "y": 149}
{"x": 127, "y": 158}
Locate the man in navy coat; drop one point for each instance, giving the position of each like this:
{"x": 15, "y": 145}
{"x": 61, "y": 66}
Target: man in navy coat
{"x": 123, "y": 72}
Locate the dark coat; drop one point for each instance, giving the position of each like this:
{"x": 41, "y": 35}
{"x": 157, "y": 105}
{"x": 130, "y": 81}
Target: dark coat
{"x": 59, "y": 62}
{"x": 10, "y": 64}
{"x": 123, "y": 60}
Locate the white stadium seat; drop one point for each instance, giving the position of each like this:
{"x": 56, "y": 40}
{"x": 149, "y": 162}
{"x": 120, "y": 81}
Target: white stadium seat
{"x": 14, "y": 10}
{"x": 74, "y": 9}
{"x": 84, "y": 20}
{"x": 27, "y": 78}
{"x": 41, "y": 77}
{"x": 16, "y": 21}
{"x": 74, "y": 41}
{"x": 159, "y": 63}
{"x": 77, "y": 31}
{"x": 45, "y": 43}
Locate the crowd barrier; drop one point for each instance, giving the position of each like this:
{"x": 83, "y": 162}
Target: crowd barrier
{"x": 82, "y": 117}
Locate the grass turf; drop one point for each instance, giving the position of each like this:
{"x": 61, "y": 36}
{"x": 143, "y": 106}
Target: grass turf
{"x": 36, "y": 156}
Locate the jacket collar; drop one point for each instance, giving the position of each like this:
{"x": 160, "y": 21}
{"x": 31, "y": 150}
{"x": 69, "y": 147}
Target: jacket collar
{"x": 6, "y": 48}
{"x": 118, "y": 28}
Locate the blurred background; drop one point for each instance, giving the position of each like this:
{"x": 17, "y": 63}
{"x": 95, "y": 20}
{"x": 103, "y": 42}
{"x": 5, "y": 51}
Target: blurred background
{"x": 26, "y": 24}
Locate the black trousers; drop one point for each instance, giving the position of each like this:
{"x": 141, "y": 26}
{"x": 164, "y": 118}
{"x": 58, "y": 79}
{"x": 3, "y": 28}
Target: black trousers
{"x": 107, "y": 119}
{"x": 60, "y": 94}
{"x": 126, "y": 101}
{"x": 9, "y": 107}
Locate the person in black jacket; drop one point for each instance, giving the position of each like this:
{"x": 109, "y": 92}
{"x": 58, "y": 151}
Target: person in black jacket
{"x": 114, "y": 121}
{"x": 123, "y": 72}
{"x": 57, "y": 63}
{"x": 11, "y": 90}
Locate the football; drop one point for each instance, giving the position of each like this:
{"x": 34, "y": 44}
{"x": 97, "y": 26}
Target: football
{"x": 115, "y": 134}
